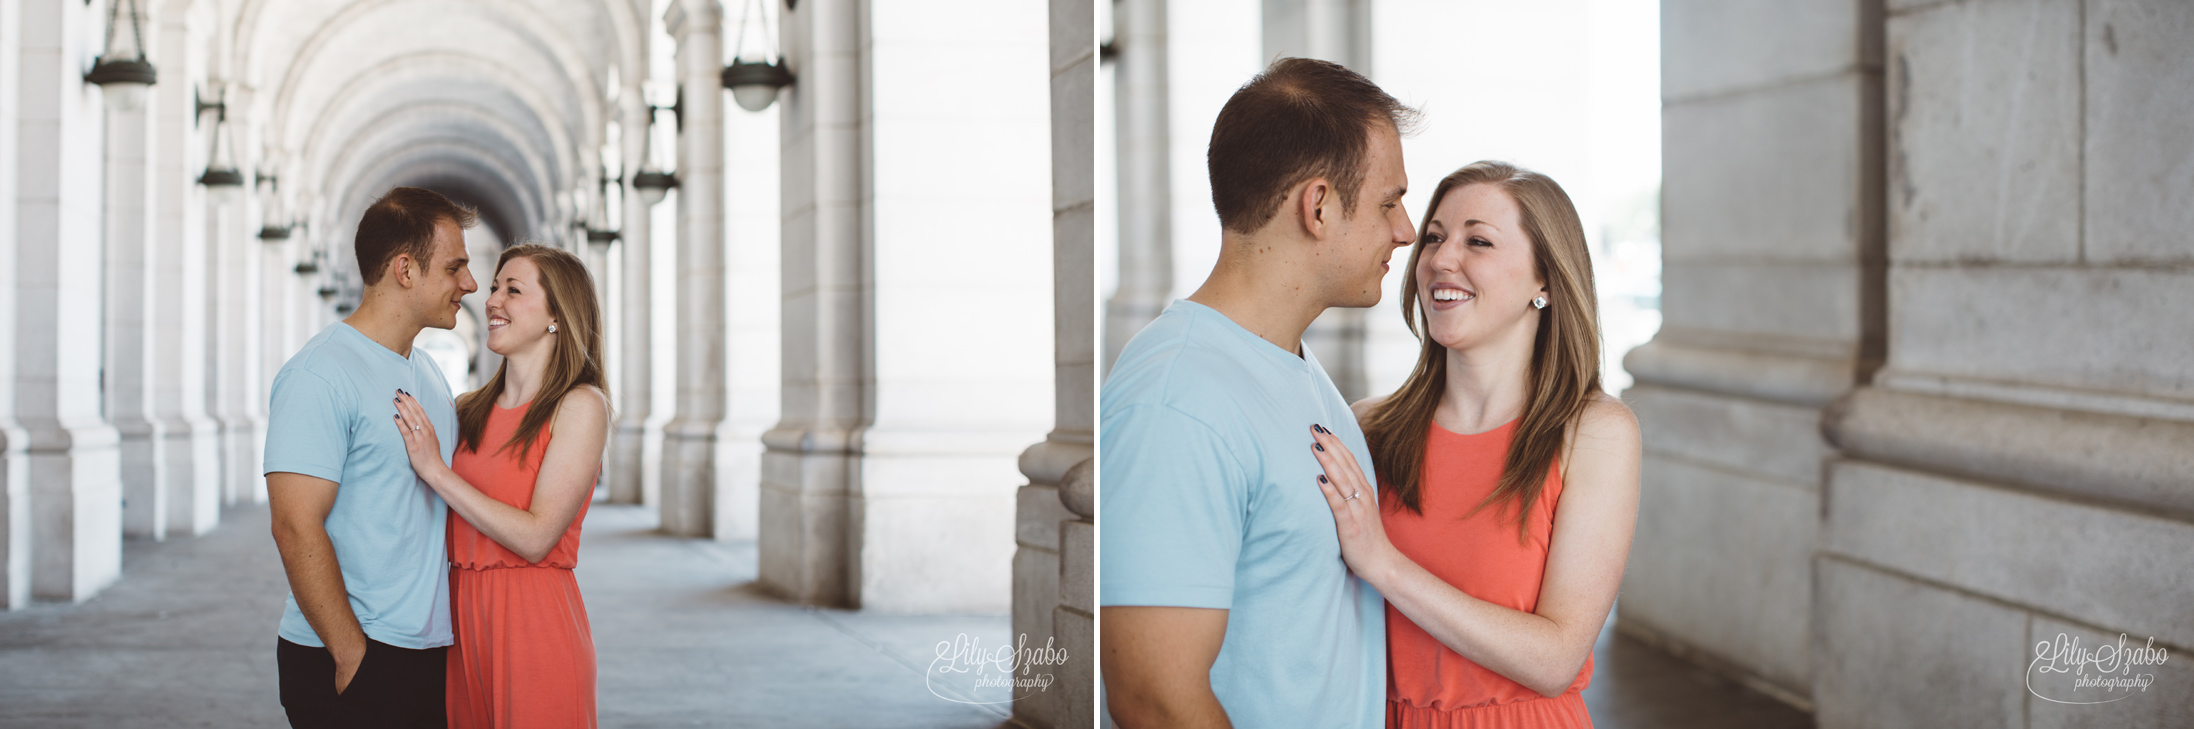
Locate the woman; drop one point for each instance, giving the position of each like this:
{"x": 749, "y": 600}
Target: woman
{"x": 529, "y": 448}
{"x": 1493, "y": 602}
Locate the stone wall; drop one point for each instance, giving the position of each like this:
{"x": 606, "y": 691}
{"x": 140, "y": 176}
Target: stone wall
{"x": 1923, "y": 400}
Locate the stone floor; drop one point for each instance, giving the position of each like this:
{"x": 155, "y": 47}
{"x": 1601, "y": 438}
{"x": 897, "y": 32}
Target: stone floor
{"x": 683, "y": 637}
{"x": 1636, "y": 686}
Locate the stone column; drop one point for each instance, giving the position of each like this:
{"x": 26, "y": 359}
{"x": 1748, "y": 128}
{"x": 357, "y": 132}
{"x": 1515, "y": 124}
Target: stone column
{"x": 1054, "y": 575}
{"x": 178, "y": 289}
{"x": 232, "y": 360}
{"x": 808, "y": 457}
{"x": 961, "y": 378}
{"x": 689, "y": 440}
{"x": 1146, "y": 191}
{"x": 2018, "y": 469}
{"x": 635, "y": 293}
{"x": 1337, "y": 31}
{"x": 752, "y": 277}
{"x": 1772, "y": 240}
{"x": 15, "y": 505}
{"x": 130, "y": 358}
{"x": 73, "y": 466}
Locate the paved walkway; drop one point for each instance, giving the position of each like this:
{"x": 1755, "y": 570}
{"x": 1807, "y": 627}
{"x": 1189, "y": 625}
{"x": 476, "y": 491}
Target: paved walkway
{"x": 682, "y": 636}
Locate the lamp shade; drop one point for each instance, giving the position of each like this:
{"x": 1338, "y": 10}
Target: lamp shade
{"x": 653, "y": 185}
{"x": 125, "y": 80}
{"x": 327, "y": 293}
{"x": 274, "y": 234}
{"x": 307, "y": 268}
{"x": 223, "y": 183}
{"x": 754, "y": 84}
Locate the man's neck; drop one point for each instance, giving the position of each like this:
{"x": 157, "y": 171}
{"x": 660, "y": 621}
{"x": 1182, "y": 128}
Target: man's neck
{"x": 1264, "y": 295}
{"x": 386, "y": 325}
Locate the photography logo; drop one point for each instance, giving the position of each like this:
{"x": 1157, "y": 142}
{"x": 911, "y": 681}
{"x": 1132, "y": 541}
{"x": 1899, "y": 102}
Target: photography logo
{"x": 2065, "y": 673}
{"x": 964, "y": 671}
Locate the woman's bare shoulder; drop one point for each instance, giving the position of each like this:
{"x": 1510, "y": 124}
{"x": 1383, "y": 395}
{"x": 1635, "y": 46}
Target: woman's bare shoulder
{"x": 1606, "y": 434}
{"x": 586, "y": 403}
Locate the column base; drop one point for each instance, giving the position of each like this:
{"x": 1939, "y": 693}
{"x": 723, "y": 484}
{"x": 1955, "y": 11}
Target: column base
{"x": 627, "y": 468}
{"x": 194, "y": 483}
{"x": 689, "y": 479}
{"x": 15, "y": 520}
{"x": 242, "y": 480}
{"x": 141, "y": 448}
{"x": 75, "y": 479}
{"x": 737, "y": 501}
{"x": 801, "y": 533}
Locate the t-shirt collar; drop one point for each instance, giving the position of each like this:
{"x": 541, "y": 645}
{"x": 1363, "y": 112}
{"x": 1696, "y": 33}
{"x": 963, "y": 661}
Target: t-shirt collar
{"x": 1250, "y": 338}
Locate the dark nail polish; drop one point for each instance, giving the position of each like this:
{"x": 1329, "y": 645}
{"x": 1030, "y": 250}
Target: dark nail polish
{"x": 1319, "y": 446}
{"x": 1321, "y": 478}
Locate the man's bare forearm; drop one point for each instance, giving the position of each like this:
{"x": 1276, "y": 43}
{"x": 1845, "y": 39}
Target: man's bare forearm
{"x": 308, "y": 558}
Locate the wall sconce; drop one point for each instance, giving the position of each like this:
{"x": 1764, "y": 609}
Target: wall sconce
{"x": 126, "y": 77}
{"x": 600, "y": 215}
{"x": 222, "y": 181}
{"x": 275, "y": 228}
{"x": 653, "y": 184}
{"x": 754, "y": 84}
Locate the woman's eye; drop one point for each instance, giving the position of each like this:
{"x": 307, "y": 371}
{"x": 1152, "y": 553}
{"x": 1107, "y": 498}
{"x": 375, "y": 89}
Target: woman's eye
{"x": 1433, "y": 239}
{"x": 1480, "y": 242}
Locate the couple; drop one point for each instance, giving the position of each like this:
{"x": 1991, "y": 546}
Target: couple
{"x": 367, "y": 456}
{"x": 1254, "y": 573}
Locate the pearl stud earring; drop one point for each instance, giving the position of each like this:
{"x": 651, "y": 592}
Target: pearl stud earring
{"x": 1536, "y": 303}
{"x": 552, "y": 327}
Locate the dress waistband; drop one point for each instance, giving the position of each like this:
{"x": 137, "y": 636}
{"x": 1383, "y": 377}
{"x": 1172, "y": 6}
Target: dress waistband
{"x": 1566, "y": 711}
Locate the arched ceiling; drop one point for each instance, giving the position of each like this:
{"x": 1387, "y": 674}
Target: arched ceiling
{"x": 502, "y": 104}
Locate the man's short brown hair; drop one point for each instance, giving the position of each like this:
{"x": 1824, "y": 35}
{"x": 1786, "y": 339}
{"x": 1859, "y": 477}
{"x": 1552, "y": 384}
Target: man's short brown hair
{"x": 402, "y": 222}
{"x": 1299, "y": 119}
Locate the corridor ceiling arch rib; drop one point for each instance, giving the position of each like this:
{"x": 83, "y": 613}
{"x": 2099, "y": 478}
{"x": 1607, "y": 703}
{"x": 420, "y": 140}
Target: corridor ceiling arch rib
{"x": 344, "y": 45}
{"x": 478, "y": 127}
{"x": 505, "y": 103}
{"x": 445, "y": 78}
{"x": 486, "y": 182}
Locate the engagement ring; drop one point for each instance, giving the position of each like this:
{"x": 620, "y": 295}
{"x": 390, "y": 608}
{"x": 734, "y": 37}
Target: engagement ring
{"x": 1354, "y": 495}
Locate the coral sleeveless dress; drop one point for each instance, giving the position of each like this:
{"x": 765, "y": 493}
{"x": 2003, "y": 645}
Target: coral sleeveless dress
{"x": 1428, "y": 684}
{"x": 524, "y": 655}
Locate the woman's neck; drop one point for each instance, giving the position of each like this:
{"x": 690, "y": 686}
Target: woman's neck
{"x": 522, "y": 372}
{"x": 1488, "y": 384}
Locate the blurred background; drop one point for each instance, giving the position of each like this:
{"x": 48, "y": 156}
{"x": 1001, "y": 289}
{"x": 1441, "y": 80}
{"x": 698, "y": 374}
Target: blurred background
{"x": 1896, "y": 289}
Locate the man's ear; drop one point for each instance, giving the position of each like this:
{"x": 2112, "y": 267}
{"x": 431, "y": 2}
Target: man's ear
{"x": 1310, "y": 206}
{"x": 400, "y": 270}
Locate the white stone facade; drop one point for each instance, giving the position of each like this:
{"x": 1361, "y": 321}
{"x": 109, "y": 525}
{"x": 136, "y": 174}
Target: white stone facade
{"x": 1922, "y": 400}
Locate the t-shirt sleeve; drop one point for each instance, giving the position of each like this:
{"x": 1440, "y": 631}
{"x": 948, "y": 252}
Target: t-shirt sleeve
{"x": 1174, "y": 502}
{"x": 308, "y": 427}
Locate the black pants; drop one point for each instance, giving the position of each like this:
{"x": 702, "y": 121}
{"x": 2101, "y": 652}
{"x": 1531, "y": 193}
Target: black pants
{"x": 394, "y": 687}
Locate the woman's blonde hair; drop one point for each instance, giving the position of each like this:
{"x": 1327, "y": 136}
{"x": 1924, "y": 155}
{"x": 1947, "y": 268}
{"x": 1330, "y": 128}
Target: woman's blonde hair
{"x": 1565, "y": 354}
{"x": 576, "y": 358}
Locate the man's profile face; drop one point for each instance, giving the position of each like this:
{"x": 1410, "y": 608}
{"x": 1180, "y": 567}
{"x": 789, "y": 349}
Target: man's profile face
{"x": 437, "y": 293}
{"x": 1366, "y": 238}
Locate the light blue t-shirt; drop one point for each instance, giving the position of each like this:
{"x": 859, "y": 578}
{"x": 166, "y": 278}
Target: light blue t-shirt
{"x": 1209, "y": 498}
{"x": 333, "y": 416}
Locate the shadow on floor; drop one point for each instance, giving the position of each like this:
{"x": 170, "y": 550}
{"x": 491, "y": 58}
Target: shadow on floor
{"x": 1637, "y": 686}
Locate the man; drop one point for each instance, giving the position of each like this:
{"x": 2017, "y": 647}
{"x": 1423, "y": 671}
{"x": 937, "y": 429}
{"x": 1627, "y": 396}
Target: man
{"x": 367, "y": 624}
{"x": 1225, "y": 600}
